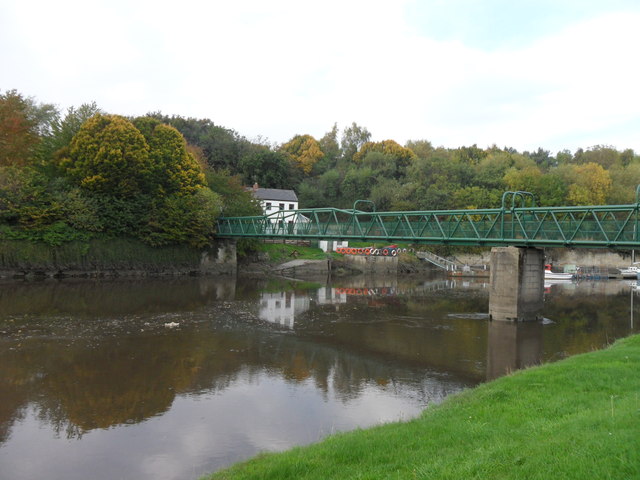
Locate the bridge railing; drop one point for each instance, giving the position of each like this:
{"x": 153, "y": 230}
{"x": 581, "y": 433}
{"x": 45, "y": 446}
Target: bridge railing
{"x": 613, "y": 226}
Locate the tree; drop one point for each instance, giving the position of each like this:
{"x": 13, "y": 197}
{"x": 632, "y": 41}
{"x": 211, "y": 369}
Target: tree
{"x": 173, "y": 168}
{"x": 469, "y": 155}
{"x": 18, "y": 130}
{"x": 541, "y": 157}
{"x": 188, "y": 219}
{"x": 109, "y": 155}
{"x": 591, "y": 186}
{"x": 491, "y": 170}
{"x": 266, "y": 168}
{"x": 237, "y": 201}
{"x": 422, "y": 148}
{"x": 375, "y": 154}
{"x": 604, "y": 156}
{"x": 330, "y": 147}
{"x": 357, "y": 185}
{"x": 303, "y": 151}
{"x": 222, "y": 147}
{"x": 353, "y": 138}
{"x": 63, "y": 130}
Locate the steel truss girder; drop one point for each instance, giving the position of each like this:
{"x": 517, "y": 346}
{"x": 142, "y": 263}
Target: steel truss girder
{"x": 613, "y": 226}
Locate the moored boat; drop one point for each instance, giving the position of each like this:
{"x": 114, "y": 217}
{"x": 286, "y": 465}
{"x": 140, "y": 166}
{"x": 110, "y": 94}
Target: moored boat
{"x": 550, "y": 275}
{"x": 630, "y": 272}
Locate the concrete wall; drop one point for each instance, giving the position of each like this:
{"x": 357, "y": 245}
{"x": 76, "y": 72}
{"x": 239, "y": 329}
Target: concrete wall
{"x": 372, "y": 263}
{"x": 584, "y": 257}
{"x": 589, "y": 257}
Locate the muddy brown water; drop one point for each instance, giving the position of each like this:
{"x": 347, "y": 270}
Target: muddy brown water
{"x": 173, "y": 378}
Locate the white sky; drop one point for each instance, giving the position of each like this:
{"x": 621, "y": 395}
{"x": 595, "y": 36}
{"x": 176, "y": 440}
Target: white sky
{"x": 520, "y": 73}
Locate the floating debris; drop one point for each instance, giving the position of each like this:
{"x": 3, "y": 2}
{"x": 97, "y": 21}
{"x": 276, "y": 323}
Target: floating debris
{"x": 172, "y": 325}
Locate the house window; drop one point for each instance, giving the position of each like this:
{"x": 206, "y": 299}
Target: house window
{"x": 268, "y": 206}
{"x": 281, "y": 206}
{"x": 291, "y": 206}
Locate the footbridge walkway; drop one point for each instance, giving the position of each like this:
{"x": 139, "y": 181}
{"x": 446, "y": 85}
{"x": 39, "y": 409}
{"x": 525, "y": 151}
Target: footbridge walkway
{"x": 518, "y": 222}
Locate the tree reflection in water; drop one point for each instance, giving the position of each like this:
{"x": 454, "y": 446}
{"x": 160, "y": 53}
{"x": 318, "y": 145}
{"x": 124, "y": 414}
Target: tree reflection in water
{"x": 98, "y": 355}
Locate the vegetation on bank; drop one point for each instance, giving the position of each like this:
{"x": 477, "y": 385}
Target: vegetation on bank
{"x": 96, "y": 254}
{"x": 575, "y": 419}
{"x": 165, "y": 180}
{"x": 91, "y": 175}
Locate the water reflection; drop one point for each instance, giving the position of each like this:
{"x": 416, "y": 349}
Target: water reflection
{"x": 95, "y": 384}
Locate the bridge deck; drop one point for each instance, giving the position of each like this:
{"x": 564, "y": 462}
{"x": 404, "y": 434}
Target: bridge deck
{"x": 604, "y": 226}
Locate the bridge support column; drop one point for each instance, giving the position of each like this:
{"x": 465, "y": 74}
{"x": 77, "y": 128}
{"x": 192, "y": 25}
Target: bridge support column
{"x": 517, "y": 284}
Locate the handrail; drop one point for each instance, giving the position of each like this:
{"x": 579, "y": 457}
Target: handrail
{"x": 522, "y": 195}
{"x": 364, "y": 201}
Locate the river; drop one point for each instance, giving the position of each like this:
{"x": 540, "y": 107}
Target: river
{"x": 173, "y": 378}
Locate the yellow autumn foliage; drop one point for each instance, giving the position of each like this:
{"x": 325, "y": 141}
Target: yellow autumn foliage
{"x": 304, "y": 151}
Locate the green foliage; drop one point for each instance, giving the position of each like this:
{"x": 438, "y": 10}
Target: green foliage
{"x": 266, "y": 168}
{"x": 106, "y": 175}
{"x": 183, "y": 219}
{"x": 400, "y": 156}
{"x": 280, "y": 252}
{"x": 173, "y": 168}
{"x": 53, "y": 234}
{"x": 330, "y": 147}
{"x": 353, "y": 138}
{"x": 62, "y": 130}
{"x": 357, "y": 185}
{"x": 25, "y": 200}
{"x": 222, "y": 147}
{"x": 238, "y": 202}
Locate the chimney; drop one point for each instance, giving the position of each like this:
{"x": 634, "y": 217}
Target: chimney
{"x": 255, "y": 186}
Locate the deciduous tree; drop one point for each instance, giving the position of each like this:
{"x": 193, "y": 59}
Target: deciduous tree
{"x": 304, "y": 152}
{"x": 18, "y": 130}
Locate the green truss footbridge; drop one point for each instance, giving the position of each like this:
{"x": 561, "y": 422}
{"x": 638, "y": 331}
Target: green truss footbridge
{"x": 518, "y": 222}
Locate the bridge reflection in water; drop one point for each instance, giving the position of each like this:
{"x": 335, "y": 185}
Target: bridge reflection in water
{"x": 511, "y": 345}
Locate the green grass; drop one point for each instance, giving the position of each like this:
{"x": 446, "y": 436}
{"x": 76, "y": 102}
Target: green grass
{"x": 280, "y": 252}
{"x": 574, "y": 419}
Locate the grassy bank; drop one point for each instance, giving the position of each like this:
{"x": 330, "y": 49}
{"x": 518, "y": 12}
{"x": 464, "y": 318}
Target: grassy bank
{"x": 575, "y": 419}
{"x": 281, "y": 252}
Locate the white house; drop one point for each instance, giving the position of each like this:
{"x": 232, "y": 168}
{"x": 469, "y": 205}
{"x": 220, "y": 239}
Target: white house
{"x": 274, "y": 199}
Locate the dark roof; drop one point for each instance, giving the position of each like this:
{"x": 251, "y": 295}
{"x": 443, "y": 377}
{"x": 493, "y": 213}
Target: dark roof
{"x": 275, "y": 194}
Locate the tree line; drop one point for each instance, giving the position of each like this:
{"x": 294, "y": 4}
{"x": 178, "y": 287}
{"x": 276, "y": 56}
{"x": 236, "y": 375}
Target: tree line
{"x": 166, "y": 179}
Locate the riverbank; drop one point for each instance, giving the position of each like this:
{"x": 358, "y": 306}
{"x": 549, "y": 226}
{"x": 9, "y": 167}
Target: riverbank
{"x": 574, "y": 419}
{"x": 112, "y": 257}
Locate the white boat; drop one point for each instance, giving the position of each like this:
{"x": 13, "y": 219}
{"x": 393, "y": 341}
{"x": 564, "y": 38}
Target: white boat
{"x": 629, "y": 272}
{"x": 549, "y": 275}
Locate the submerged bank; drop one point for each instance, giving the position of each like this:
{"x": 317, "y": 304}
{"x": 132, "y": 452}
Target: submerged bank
{"x": 573, "y": 419}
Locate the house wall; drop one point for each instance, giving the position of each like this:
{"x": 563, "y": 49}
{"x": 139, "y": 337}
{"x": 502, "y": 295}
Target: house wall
{"x": 272, "y": 206}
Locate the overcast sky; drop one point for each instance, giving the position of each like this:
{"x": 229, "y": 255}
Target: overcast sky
{"x": 557, "y": 74}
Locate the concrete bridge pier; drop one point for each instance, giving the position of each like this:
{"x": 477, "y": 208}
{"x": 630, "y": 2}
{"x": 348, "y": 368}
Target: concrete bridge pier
{"x": 517, "y": 284}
